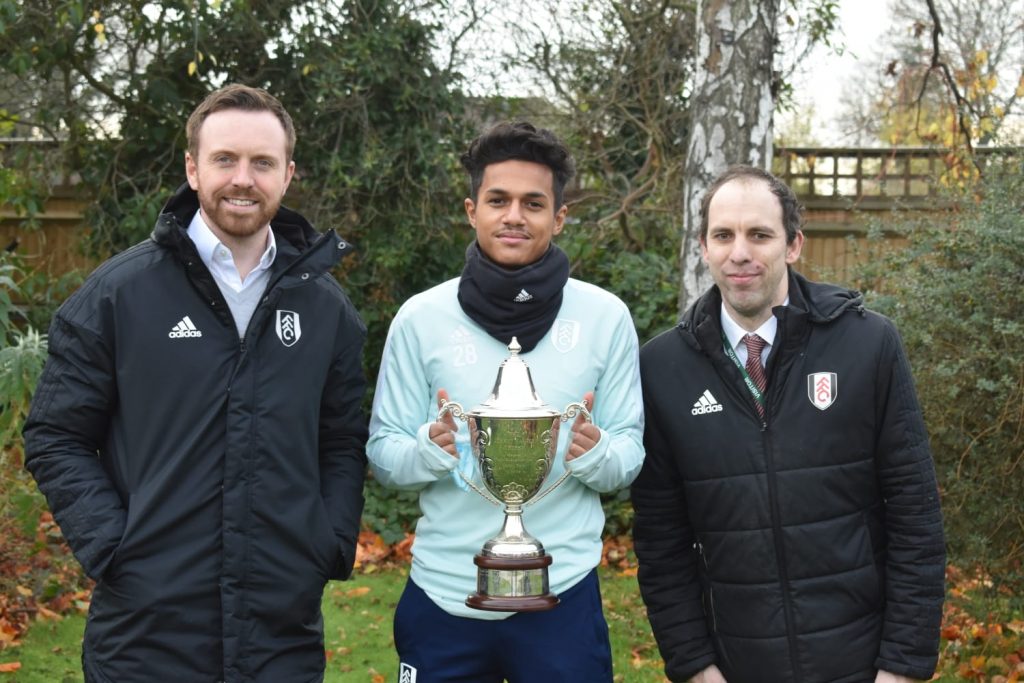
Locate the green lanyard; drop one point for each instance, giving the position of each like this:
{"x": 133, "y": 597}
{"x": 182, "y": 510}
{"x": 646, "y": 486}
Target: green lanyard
{"x": 729, "y": 351}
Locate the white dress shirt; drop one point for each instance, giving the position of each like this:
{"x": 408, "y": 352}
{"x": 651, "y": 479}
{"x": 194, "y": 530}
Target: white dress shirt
{"x": 218, "y": 258}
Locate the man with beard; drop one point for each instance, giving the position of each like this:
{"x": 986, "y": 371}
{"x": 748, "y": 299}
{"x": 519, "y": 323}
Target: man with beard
{"x": 578, "y": 341}
{"x": 787, "y": 524}
{"x": 197, "y": 429}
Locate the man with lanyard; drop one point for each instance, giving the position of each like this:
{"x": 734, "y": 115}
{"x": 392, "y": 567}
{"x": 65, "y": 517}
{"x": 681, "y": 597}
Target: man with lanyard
{"x": 579, "y": 342}
{"x": 787, "y": 524}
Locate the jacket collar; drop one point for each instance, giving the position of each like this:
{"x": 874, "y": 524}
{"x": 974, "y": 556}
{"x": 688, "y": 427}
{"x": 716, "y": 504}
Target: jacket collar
{"x": 295, "y": 236}
{"x": 810, "y": 303}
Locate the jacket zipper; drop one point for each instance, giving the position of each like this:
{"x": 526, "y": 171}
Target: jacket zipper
{"x": 780, "y": 556}
{"x": 272, "y": 285}
{"x": 780, "y": 551}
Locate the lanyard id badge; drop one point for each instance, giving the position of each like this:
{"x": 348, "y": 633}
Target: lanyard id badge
{"x": 731, "y": 353}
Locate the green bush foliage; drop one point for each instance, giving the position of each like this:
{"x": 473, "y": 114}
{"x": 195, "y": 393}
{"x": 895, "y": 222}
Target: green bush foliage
{"x": 379, "y": 123}
{"x": 381, "y": 120}
{"x": 34, "y": 564}
{"x": 22, "y": 354}
{"x": 955, "y": 293}
{"x": 21, "y": 363}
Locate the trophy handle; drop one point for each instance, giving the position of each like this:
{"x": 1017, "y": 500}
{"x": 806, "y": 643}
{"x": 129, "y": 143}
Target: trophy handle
{"x": 571, "y": 411}
{"x": 574, "y": 409}
{"x": 451, "y": 407}
{"x": 459, "y": 414}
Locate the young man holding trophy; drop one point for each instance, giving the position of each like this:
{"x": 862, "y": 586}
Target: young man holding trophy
{"x": 510, "y": 333}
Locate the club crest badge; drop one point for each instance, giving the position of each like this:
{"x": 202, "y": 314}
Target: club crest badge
{"x": 822, "y": 389}
{"x": 406, "y": 673}
{"x": 288, "y": 328}
{"x": 565, "y": 334}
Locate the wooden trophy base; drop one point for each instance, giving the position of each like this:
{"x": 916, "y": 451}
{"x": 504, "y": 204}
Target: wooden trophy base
{"x": 506, "y": 584}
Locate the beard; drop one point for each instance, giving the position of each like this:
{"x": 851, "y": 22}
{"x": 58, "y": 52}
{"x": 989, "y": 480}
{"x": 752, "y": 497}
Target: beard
{"x": 219, "y": 215}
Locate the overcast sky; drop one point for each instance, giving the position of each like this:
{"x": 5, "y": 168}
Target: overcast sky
{"x": 861, "y": 22}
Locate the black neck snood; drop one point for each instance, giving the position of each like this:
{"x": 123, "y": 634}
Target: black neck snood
{"x": 521, "y": 302}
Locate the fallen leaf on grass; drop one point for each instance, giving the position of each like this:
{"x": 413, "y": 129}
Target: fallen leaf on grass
{"x": 43, "y": 614}
{"x": 638, "y": 659}
{"x": 8, "y": 633}
{"x": 356, "y": 592}
{"x": 402, "y": 551}
{"x": 371, "y": 548}
{"x": 951, "y": 632}
{"x": 9, "y": 667}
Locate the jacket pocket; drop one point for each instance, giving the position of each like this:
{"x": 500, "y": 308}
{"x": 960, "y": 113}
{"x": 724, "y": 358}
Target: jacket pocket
{"x": 877, "y": 544}
{"x": 706, "y": 589}
{"x": 327, "y": 546}
{"x": 113, "y": 568}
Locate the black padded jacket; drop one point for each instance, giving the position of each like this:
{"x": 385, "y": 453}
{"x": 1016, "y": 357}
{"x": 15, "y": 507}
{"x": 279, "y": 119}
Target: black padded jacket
{"x": 805, "y": 546}
{"x": 210, "y": 484}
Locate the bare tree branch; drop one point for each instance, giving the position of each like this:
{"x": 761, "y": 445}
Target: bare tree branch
{"x": 963, "y": 106}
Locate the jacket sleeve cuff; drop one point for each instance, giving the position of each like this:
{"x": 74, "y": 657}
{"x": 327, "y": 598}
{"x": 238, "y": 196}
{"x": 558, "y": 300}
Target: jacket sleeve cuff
{"x": 587, "y": 467}
{"x": 917, "y": 672}
{"x": 434, "y": 458}
{"x": 684, "y": 673}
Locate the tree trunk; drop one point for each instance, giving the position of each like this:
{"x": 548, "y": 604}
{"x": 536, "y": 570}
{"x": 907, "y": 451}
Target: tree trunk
{"x": 731, "y": 113}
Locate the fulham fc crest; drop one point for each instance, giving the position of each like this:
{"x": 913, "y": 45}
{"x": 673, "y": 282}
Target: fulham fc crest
{"x": 565, "y": 334}
{"x": 822, "y": 389}
{"x": 288, "y": 328}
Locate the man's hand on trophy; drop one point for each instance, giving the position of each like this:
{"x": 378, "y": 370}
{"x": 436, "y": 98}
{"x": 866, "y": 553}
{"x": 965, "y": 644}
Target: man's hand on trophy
{"x": 443, "y": 433}
{"x": 584, "y": 434}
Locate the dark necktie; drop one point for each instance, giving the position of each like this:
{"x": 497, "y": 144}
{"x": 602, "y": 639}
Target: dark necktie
{"x": 755, "y": 345}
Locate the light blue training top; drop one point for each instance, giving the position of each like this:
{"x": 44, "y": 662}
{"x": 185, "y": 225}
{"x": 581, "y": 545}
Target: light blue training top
{"x": 433, "y": 344}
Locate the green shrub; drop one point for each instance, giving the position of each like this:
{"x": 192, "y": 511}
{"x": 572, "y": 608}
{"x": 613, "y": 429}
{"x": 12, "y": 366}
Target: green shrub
{"x": 22, "y": 354}
{"x": 21, "y": 363}
{"x": 956, "y": 294}
{"x": 389, "y": 512}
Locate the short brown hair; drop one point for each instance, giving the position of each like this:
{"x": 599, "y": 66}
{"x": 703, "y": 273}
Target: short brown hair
{"x": 792, "y": 212}
{"x": 246, "y": 98}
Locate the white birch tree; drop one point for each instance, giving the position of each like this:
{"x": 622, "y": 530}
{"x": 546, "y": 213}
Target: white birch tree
{"x": 731, "y": 111}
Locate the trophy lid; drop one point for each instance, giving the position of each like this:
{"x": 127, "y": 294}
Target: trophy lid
{"x": 513, "y": 394}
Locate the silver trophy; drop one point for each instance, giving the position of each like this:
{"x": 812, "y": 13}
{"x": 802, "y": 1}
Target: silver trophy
{"x": 514, "y": 435}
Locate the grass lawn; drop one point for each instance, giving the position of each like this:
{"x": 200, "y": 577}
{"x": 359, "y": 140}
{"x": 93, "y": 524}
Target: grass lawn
{"x": 357, "y": 634}
{"x": 983, "y": 634}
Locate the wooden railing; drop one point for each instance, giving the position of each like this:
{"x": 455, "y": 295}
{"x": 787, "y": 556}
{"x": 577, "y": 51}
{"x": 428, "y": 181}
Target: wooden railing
{"x": 876, "y": 178}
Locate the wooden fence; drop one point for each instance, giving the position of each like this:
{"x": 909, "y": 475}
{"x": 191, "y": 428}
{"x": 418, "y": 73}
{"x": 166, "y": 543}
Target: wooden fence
{"x": 847, "y": 190}
{"x": 843, "y": 190}
{"x": 55, "y": 246}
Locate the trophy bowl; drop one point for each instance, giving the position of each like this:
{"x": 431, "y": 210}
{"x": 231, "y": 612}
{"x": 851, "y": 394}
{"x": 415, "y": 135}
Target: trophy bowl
{"x": 514, "y": 436}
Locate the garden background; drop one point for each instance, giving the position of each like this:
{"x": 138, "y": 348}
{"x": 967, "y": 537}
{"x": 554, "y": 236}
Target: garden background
{"x": 386, "y": 94}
